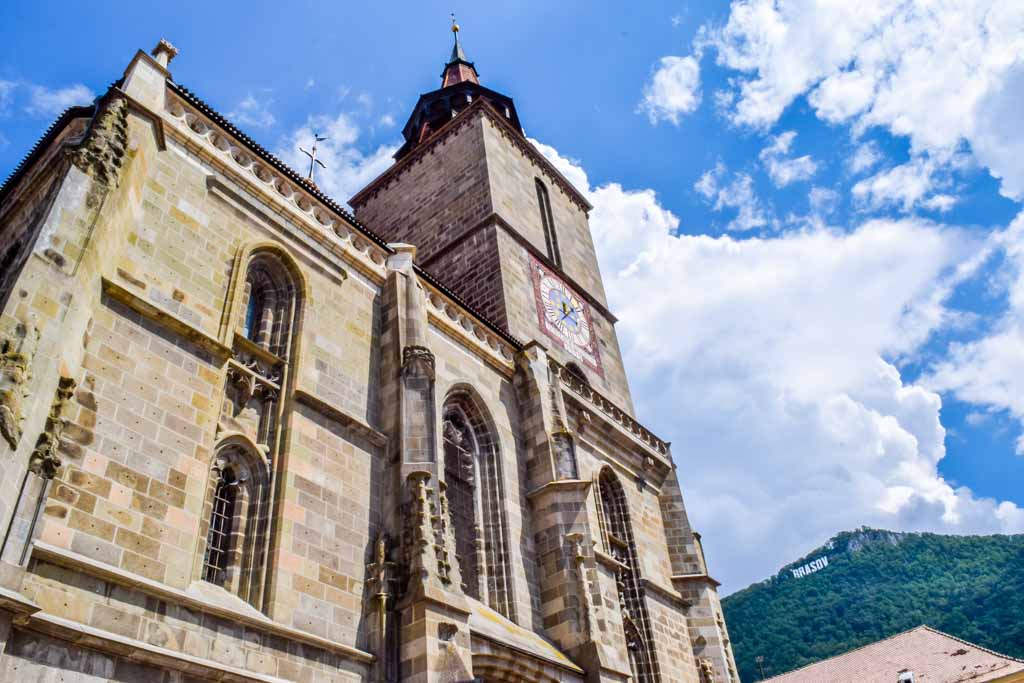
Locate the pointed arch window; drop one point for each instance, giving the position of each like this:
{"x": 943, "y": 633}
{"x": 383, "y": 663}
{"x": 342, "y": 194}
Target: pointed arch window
{"x": 548, "y": 223}
{"x": 236, "y": 520}
{"x": 617, "y": 532}
{"x": 270, "y": 303}
{"x": 472, "y": 469}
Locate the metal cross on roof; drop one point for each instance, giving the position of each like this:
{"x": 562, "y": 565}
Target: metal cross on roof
{"x": 313, "y": 161}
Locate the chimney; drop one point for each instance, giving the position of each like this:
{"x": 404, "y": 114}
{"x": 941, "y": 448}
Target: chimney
{"x": 164, "y": 52}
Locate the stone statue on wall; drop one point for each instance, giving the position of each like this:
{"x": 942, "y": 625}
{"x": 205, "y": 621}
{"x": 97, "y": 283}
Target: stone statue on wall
{"x": 16, "y": 352}
{"x": 44, "y": 461}
{"x": 707, "y": 671}
{"x": 565, "y": 455}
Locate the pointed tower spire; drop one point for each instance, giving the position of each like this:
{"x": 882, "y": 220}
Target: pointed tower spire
{"x": 458, "y": 69}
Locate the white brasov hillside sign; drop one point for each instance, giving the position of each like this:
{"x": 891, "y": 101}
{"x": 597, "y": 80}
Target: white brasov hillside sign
{"x": 810, "y": 567}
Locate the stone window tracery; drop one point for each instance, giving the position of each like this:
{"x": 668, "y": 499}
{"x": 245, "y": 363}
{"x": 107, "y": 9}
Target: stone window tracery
{"x": 475, "y": 493}
{"x": 617, "y": 532}
{"x": 548, "y": 223}
{"x": 239, "y": 498}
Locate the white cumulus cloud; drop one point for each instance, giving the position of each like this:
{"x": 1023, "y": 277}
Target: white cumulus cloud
{"x": 939, "y": 72}
{"x": 908, "y": 185}
{"x": 823, "y": 200}
{"x": 865, "y": 157}
{"x": 736, "y": 193}
{"x": 673, "y": 90}
{"x": 6, "y": 95}
{"x": 782, "y": 168}
{"x": 770, "y": 363}
{"x": 254, "y": 112}
{"x": 45, "y": 102}
{"x": 989, "y": 371}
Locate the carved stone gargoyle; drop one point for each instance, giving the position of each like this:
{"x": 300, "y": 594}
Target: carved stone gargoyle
{"x": 16, "y": 352}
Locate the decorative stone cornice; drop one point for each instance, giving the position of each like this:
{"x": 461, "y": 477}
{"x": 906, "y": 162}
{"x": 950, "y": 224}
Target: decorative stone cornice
{"x": 695, "y": 578}
{"x": 447, "y": 314}
{"x": 608, "y": 561}
{"x": 665, "y": 593}
{"x": 164, "y": 318}
{"x": 560, "y": 486}
{"x": 338, "y": 415}
{"x": 609, "y": 409}
{"x": 203, "y": 129}
{"x": 86, "y": 565}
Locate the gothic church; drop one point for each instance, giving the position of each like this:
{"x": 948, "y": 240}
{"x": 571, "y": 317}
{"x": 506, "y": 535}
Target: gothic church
{"x": 249, "y": 435}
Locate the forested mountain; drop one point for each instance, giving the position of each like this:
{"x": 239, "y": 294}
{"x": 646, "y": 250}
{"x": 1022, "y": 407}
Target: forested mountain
{"x": 872, "y": 584}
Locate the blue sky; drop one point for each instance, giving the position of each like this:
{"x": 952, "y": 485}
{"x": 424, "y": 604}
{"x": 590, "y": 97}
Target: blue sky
{"x": 804, "y": 215}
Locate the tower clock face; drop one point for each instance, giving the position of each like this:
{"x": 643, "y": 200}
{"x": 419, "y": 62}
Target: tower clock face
{"x": 564, "y": 316}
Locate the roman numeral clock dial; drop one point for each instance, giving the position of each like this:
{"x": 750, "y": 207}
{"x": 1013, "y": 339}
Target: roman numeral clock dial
{"x": 564, "y": 316}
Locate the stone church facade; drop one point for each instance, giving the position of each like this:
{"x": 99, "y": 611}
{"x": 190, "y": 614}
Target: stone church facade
{"x": 248, "y": 435}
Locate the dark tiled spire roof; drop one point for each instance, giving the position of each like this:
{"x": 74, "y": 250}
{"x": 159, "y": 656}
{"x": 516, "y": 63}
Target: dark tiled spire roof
{"x": 457, "y": 54}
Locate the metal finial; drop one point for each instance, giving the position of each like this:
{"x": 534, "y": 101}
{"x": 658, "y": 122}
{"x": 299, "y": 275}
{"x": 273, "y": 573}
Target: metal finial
{"x": 455, "y": 27}
{"x": 313, "y": 161}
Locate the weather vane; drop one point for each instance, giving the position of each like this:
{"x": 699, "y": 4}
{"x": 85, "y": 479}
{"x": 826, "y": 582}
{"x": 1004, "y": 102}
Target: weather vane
{"x": 313, "y": 161}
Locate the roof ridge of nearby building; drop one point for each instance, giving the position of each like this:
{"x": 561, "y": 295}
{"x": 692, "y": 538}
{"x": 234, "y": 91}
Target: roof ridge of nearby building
{"x": 969, "y": 644}
{"x": 276, "y": 162}
{"x": 848, "y": 652}
{"x": 919, "y": 627}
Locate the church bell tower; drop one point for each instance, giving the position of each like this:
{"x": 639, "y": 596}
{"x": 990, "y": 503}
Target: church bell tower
{"x": 495, "y": 221}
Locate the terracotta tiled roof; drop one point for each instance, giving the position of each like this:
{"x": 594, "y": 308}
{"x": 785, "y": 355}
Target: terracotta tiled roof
{"x": 933, "y": 657}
